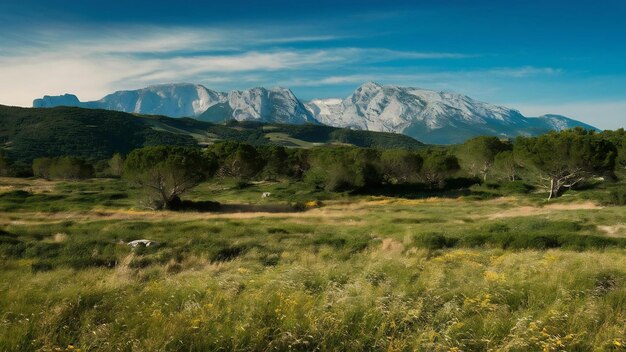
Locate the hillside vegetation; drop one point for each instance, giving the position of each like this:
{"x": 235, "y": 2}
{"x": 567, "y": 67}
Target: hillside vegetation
{"x": 489, "y": 245}
{"x": 26, "y": 134}
{"x": 351, "y": 272}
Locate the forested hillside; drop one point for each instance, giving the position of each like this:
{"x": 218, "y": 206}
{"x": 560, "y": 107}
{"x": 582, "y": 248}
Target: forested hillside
{"x": 26, "y": 134}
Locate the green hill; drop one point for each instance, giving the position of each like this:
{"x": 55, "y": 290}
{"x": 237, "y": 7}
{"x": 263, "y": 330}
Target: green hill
{"x": 28, "y": 133}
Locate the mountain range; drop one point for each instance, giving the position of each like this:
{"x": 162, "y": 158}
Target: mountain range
{"x": 426, "y": 115}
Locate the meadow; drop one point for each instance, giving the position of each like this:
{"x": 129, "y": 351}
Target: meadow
{"x": 306, "y": 270}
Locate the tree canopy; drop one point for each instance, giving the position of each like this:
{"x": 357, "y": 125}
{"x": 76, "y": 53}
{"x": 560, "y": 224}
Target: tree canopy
{"x": 167, "y": 172}
{"x": 478, "y": 154}
{"x": 563, "y": 159}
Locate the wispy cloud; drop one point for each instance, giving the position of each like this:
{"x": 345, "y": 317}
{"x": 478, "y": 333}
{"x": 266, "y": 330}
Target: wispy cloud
{"x": 93, "y": 62}
{"x": 427, "y": 77}
{"x": 525, "y": 71}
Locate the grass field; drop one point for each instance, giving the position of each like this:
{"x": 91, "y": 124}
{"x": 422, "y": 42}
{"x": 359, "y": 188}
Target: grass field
{"x": 356, "y": 273}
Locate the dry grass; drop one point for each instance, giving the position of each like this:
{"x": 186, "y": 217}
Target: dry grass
{"x": 357, "y": 274}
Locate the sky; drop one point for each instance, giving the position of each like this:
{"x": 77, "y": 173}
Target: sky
{"x": 540, "y": 57}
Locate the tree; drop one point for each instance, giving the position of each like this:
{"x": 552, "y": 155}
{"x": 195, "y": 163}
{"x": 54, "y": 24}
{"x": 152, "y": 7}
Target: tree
{"x": 41, "y": 167}
{"x": 400, "y": 166}
{"x": 166, "y": 173}
{"x": 70, "y": 168}
{"x": 237, "y": 160}
{"x": 297, "y": 162}
{"x": 5, "y": 165}
{"x": 478, "y": 154}
{"x": 342, "y": 168}
{"x": 275, "y": 160}
{"x": 505, "y": 166}
{"x": 116, "y": 165}
{"x": 438, "y": 166}
{"x": 618, "y": 138}
{"x": 564, "y": 159}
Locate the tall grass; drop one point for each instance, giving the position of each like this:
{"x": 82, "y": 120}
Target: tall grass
{"x": 359, "y": 274}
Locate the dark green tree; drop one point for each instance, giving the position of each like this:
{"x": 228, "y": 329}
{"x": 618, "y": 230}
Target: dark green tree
{"x": 400, "y": 166}
{"x": 275, "y": 160}
{"x": 477, "y": 155}
{"x": 505, "y": 167}
{"x": 5, "y": 165}
{"x": 439, "y": 166}
{"x": 564, "y": 159}
{"x": 70, "y": 168}
{"x": 116, "y": 165}
{"x": 41, "y": 167}
{"x": 237, "y": 160}
{"x": 618, "y": 138}
{"x": 343, "y": 168}
{"x": 166, "y": 173}
{"x": 298, "y": 162}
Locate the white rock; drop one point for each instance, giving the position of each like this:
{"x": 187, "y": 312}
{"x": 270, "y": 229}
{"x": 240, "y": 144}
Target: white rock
{"x": 145, "y": 243}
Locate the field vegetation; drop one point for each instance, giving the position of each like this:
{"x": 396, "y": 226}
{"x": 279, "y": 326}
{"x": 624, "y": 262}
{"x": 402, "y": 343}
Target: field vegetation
{"x": 265, "y": 248}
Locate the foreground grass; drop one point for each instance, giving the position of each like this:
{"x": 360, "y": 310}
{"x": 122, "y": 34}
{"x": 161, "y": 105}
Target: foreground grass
{"x": 360, "y": 273}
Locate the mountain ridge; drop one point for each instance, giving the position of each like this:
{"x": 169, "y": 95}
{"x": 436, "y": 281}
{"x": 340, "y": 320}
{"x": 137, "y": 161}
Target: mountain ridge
{"x": 427, "y": 115}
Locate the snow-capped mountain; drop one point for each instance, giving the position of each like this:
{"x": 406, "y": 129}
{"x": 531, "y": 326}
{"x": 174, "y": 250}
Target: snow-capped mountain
{"x": 193, "y": 100}
{"x": 393, "y": 109}
{"x": 175, "y": 100}
{"x": 429, "y": 116}
{"x": 276, "y": 104}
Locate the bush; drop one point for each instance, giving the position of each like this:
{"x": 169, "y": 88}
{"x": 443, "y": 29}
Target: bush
{"x": 516, "y": 187}
{"x": 41, "y": 266}
{"x": 435, "y": 241}
{"x": 228, "y": 253}
{"x": 64, "y": 168}
{"x": 616, "y": 197}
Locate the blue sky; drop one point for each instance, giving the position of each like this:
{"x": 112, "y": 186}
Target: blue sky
{"x": 564, "y": 57}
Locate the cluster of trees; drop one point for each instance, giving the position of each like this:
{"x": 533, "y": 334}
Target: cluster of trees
{"x": 338, "y": 168}
{"x": 565, "y": 159}
{"x": 167, "y": 172}
{"x": 64, "y": 168}
{"x": 557, "y": 160}
{"x": 72, "y": 168}
{"x": 13, "y": 168}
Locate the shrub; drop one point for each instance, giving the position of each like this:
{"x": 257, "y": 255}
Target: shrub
{"x": 435, "y": 241}
{"x": 41, "y": 266}
{"x": 516, "y": 187}
{"x": 616, "y": 197}
{"x": 65, "y": 168}
{"x": 228, "y": 253}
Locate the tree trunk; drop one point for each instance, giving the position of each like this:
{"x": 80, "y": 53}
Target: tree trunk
{"x": 552, "y": 189}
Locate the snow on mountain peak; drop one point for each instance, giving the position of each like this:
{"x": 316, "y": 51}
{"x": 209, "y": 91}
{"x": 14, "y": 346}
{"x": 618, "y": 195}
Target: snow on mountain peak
{"x": 430, "y": 116}
{"x": 423, "y": 113}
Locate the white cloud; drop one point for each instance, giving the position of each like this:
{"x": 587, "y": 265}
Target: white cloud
{"x": 94, "y": 62}
{"x": 442, "y": 79}
{"x": 525, "y": 71}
